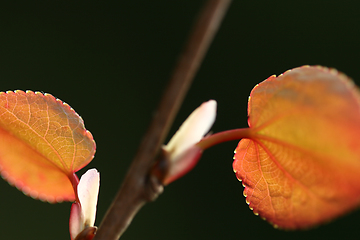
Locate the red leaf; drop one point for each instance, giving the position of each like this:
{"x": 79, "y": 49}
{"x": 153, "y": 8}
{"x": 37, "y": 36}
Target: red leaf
{"x": 301, "y": 165}
{"x": 43, "y": 141}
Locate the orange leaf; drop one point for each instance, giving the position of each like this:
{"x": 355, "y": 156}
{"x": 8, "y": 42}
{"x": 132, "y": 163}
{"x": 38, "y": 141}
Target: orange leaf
{"x": 42, "y": 143}
{"x": 301, "y": 165}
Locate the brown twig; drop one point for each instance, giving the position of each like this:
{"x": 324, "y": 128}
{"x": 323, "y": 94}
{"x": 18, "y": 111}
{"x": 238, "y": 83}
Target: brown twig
{"x": 138, "y": 187}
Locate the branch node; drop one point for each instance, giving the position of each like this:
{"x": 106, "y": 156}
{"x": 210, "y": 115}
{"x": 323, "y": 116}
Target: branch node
{"x": 153, "y": 188}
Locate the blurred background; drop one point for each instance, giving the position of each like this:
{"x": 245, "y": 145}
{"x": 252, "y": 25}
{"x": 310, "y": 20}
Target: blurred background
{"x": 110, "y": 60}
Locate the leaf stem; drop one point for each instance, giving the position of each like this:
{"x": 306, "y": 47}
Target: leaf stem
{"x": 234, "y": 134}
{"x": 74, "y": 182}
{"x": 139, "y": 186}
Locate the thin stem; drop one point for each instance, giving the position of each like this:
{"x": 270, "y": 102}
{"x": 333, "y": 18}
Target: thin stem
{"x": 74, "y": 182}
{"x": 138, "y": 187}
{"x": 235, "y": 134}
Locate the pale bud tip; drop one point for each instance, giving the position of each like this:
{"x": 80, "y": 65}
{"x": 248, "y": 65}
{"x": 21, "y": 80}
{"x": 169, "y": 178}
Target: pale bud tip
{"x": 181, "y": 151}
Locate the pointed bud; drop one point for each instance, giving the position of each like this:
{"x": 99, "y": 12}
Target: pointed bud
{"x": 181, "y": 152}
{"x": 83, "y": 212}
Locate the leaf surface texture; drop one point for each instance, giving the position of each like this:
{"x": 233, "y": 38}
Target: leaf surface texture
{"x": 43, "y": 141}
{"x": 301, "y": 165}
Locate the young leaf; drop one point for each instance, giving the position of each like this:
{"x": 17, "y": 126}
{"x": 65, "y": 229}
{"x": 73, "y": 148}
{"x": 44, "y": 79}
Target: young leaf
{"x": 301, "y": 164}
{"x": 43, "y": 141}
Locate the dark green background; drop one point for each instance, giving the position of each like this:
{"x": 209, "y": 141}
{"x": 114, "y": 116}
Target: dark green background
{"x": 110, "y": 61}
